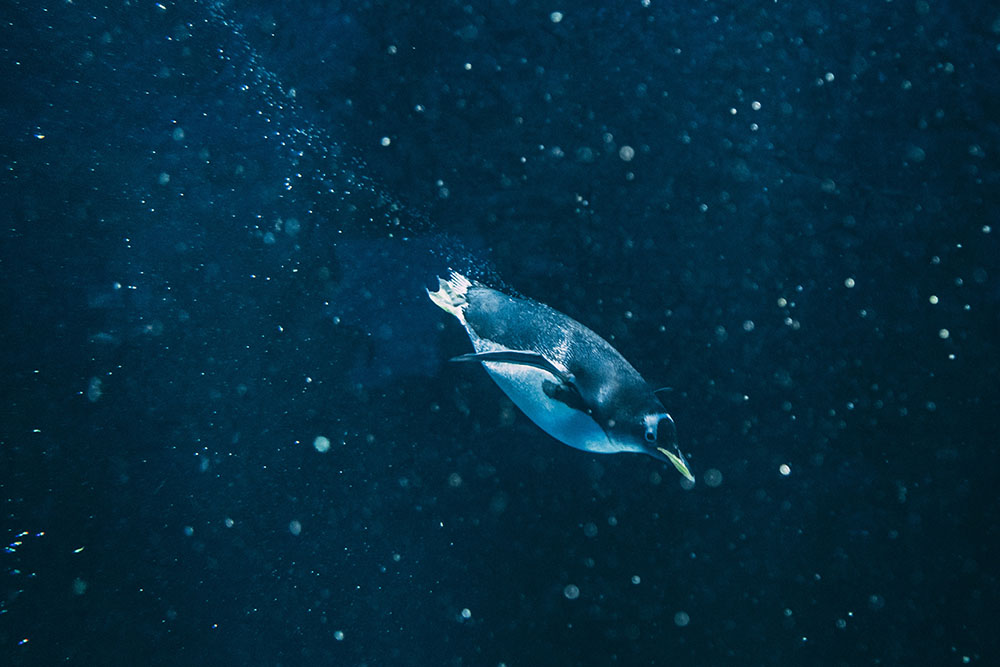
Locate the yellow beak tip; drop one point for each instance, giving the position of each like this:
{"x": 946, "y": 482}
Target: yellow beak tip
{"x": 678, "y": 463}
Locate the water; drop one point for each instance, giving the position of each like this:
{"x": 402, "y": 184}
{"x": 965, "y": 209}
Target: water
{"x": 230, "y": 432}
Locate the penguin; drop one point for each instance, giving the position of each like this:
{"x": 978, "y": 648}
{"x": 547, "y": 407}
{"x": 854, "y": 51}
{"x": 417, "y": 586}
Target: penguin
{"x": 568, "y": 380}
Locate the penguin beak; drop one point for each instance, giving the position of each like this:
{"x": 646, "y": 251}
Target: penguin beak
{"x": 675, "y": 457}
{"x": 678, "y": 460}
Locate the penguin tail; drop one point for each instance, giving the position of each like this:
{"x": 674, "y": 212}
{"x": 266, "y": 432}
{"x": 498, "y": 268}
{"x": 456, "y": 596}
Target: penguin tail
{"x": 450, "y": 294}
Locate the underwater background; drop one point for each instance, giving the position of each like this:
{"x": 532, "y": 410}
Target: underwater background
{"x": 230, "y": 433}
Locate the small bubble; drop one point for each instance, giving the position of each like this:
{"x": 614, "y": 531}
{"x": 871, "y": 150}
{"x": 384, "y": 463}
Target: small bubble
{"x": 943, "y": 334}
{"x": 626, "y": 153}
{"x": 785, "y": 469}
{"x": 712, "y": 477}
{"x": 294, "y": 527}
{"x": 385, "y": 141}
{"x": 849, "y": 283}
{"x": 636, "y": 579}
{"x": 681, "y": 619}
{"x": 338, "y": 635}
{"x": 454, "y": 480}
{"x": 571, "y": 592}
{"x": 321, "y": 444}
{"x": 556, "y": 17}
{"x": 466, "y": 613}
{"x": 933, "y": 300}
{"x": 189, "y": 530}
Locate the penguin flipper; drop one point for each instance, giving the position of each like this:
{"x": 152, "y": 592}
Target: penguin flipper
{"x": 520, "y": 359}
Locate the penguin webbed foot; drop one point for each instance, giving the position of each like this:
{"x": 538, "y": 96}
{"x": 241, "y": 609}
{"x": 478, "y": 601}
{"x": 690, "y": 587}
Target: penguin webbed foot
{"x": 567, "y": 394}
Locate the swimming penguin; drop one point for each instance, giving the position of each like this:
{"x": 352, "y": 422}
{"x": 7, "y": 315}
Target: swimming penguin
{"x": 562, "y": 375}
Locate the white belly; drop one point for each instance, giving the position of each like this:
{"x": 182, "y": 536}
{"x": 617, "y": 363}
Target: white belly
{"x": 523, "y": 384}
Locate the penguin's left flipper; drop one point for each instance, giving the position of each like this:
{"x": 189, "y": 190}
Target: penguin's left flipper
{"x": 564, "y": 391}
{"x": 520, "y": 359}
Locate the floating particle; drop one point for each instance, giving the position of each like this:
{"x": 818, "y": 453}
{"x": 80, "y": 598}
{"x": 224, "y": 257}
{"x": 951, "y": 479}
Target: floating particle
{"x": 712, "y": 477}
{"x": 785, "y": 469}
{"x": 294, "y": 527}
{"x": 571, "y": 592}
{"x": 94, "y": 389}
{"x": 322, "y": 444}
{"x": 681, "y": 619}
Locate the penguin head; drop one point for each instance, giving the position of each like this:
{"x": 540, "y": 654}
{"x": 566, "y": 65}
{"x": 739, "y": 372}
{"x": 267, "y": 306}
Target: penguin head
{"x": 659, "y": 440}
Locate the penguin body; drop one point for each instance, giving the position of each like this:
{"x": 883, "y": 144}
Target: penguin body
{"x": 563, "y": 376}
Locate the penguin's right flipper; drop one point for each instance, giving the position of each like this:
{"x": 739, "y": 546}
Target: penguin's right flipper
{"x": 519, "y": 359}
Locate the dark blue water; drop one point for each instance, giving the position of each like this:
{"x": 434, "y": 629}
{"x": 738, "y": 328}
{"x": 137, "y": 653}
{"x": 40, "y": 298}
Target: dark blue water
{"x": 218, "y": 222}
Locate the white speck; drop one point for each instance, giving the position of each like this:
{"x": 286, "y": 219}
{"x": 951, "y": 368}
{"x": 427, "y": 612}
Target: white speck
{"x": 681, "y": 619}
{"x": 748, "y": 326}
{"x": 321, "y": 443}
{"x": 571, "y": 592}
{"x": 385, "y": 141}
{"x": 785, "y": 469}
{"x": 828, "y": 77}
{"x": 626, "y": 153}
{"x": 755, "y": 105}
{"x": 338, "y": 635}
{"x": 466, "y": 613}
{"x": 933, "y": 299}
{"x": 943, "y": 334}
{"x": 468, "y": 66}
{"x": 294, "y": 527}
{"x": 849, "y": 283}
{"x": 556, "y": 17}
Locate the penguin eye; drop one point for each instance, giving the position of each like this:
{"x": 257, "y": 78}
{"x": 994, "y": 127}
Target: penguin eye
{"x": 650, "y": 434}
